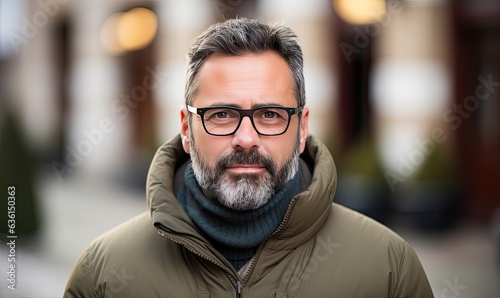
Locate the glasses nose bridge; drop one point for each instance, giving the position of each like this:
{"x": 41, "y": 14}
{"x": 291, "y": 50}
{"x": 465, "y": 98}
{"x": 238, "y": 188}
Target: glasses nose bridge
{"x": 247, "y": 113}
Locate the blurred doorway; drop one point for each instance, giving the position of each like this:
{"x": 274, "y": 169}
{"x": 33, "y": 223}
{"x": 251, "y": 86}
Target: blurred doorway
{"x": 477, "y": 98}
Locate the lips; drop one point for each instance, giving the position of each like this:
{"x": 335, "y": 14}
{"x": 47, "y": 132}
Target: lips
{"x": 246, "y": 168}
{"x": 239, "y": 162}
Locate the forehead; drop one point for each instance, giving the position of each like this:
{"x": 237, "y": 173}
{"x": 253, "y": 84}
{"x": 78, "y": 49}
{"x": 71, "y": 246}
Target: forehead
{"x": 246, "y": 81}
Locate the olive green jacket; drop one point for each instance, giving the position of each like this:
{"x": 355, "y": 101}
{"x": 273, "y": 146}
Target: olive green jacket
{"x": 319, "y": 250}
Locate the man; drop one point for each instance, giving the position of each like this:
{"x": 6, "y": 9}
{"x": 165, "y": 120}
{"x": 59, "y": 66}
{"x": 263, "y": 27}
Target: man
{"x": 241, "y": 201}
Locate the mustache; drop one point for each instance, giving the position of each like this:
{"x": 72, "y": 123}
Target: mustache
{"x": 240, "y": 157}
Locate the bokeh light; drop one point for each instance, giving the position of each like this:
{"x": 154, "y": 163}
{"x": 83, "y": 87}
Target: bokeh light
{"x": 360, "y": 11}
{"x": 129, "y": 31}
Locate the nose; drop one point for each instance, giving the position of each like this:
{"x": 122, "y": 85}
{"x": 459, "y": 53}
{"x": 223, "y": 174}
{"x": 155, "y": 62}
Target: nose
{"x": 246, "y": 137}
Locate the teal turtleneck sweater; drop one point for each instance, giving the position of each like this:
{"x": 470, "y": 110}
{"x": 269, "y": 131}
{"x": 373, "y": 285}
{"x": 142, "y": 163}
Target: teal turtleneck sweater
{"x": 236, "y": 234}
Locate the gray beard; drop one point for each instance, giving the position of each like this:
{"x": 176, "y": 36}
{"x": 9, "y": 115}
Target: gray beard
{"x": 244, "y": 191}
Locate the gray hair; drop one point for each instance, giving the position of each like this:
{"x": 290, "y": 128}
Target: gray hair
{"x": 236, "y": 37}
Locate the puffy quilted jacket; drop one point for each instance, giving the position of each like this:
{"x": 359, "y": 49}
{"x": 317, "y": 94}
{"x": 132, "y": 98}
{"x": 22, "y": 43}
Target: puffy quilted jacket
{"x": 321, "y": 249}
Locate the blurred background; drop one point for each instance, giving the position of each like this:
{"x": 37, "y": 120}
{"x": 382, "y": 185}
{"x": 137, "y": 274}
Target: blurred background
{"x": 405, "y": 93}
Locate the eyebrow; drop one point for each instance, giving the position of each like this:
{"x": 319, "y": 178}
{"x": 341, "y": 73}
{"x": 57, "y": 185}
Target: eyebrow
{"x": 232, "y": 105}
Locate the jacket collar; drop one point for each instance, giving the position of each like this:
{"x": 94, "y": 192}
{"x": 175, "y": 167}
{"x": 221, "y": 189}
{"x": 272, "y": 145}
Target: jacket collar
{"x": 305, "y": 216}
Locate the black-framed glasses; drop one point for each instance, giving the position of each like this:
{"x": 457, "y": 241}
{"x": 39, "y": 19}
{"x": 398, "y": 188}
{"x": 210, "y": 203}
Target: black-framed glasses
{"x": 225, "y": 120}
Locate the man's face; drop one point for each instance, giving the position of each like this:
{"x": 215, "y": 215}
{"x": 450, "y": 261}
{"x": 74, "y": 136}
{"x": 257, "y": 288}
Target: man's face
{"x": 242, "y": 171}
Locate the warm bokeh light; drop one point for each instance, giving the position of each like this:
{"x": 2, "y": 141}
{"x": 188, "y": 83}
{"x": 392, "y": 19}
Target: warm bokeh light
{"x": 137, "y": 28}
{"x": 129, "y": 31}
{"x": 360, "y": 11}
{"x": 109, "y": 38}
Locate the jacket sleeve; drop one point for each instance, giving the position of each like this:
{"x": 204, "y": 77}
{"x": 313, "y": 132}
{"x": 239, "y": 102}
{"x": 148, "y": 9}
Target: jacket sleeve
{"x": 410, "y": 279}
{"x": 80, "y": 283}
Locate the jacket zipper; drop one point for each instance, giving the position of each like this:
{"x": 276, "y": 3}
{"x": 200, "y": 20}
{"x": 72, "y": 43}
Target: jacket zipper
{"x": 163, "y": 232}
{"x": 251, "y": 266}
{"x": 238, "y": 289}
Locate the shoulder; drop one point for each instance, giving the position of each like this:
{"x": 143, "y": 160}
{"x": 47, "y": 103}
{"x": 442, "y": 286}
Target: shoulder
{"x": 349, "y": 225}
{"x": 128, "y": 247}
{"x": 365, "y": 237}
{"x": 365, "y": 250}
{"x": 122, "y": 238}
{"x": 135, "y": 240}
{"x": 132, "y": 254}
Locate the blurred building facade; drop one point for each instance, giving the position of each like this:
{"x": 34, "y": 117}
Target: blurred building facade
{"x": 406, "y": 96}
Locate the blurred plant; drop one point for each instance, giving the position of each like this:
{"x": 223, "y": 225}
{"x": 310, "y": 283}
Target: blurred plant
{"x": 362, "y": 185}
{"x": 18, "y": 167}
{"x": 430, "y": 199}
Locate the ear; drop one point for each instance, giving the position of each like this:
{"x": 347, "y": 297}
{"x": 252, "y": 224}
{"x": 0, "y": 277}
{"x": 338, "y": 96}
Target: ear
{"x": 304, "y": 129}
{"x": 185, "y": 130}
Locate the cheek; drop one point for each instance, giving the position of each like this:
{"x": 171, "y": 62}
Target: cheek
{"x": 282, "y": 149}
{"x": 210, "y": 148}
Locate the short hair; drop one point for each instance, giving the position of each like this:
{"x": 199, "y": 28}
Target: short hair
{"x": 237, "y": 37}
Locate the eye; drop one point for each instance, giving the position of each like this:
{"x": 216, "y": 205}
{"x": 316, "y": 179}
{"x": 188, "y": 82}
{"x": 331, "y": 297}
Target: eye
{"x": 270, "y": 114}
{"x": 221, "y": 115}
